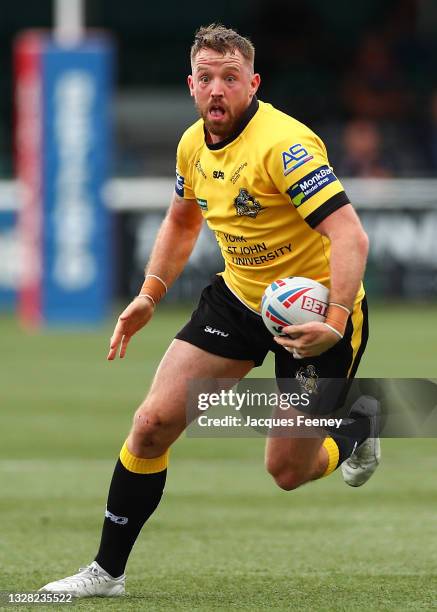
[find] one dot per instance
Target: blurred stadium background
(363, 77)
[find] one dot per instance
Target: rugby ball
(293, 301)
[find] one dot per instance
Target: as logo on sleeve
(179, 187)
(293, 158)
(311, 184)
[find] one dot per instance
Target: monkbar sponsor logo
(311, 184)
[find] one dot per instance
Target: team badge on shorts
(307, 377)
(247, 205)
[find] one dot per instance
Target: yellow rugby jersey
(262, 191)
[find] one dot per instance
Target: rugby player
(263, 183)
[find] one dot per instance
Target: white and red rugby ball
(293, 301)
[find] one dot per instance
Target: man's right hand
(132, 319)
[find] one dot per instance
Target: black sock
(350, 435)
(132, 500)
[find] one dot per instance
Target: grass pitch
(224, 537)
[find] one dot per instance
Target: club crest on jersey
(247, 205)
(295, 157)
(308, 379)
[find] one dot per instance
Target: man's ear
(255, 83)
(190, 82)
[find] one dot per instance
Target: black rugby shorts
(224, 326)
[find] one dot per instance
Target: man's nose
(217, 88)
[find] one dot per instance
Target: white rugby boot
(90, 581)
(360, 466)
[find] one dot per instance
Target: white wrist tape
(340, 306)
(146, 295)
(160, 280)
(334, 330)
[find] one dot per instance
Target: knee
(149, 427)
(287, 476)
(288, 480)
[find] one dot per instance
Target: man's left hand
(307, 340)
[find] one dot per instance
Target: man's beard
(220, 129)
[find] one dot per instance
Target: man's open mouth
(217, 111)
